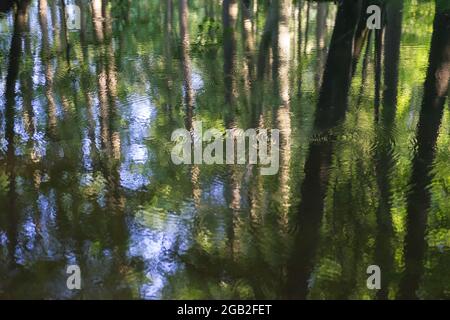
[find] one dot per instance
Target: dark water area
(87, 179)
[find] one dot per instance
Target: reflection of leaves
(94, 186)
(208, 37)
(329, 270)
(204, 238)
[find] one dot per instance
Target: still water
(86, 177)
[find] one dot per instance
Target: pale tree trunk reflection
(189, 94)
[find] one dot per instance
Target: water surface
(86, 177)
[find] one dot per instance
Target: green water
(86, 175)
